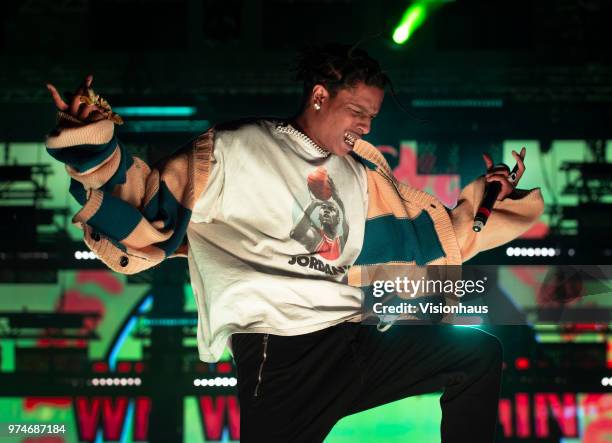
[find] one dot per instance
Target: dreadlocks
(337, 67)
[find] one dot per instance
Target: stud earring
(317, 107)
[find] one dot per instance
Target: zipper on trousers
(263, 360)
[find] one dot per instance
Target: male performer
(270, 278)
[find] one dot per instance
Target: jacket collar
(370, 157)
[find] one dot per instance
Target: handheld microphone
(492, 190)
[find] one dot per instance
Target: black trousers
(294, 389)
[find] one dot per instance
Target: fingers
(519, 163)
(499, 169)
(86, 110)
(75, 103)
(57, 98)
(76, 108)
(95, 116)
(488, 161)
(506, 186)
(519, 158)
(507, 179)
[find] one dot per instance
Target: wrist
(64, 120)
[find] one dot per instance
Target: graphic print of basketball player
(322, 238)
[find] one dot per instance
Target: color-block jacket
(134, 216)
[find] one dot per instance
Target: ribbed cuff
(91, 206)
(96, 133)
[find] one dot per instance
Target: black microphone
(492, 190)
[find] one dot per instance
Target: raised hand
(84, 105)
(506, 178)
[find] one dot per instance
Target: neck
(329, 231)
(303, 123)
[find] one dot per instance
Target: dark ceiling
(234, 56)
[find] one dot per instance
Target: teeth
(349, 139)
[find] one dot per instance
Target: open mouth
(349, 139)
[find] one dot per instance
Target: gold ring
(94, 99)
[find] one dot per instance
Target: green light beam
(412, 19)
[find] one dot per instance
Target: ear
(320, 94)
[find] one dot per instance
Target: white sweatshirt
(271, 239)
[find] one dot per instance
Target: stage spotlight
(414, 17)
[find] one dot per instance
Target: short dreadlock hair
(337, 67)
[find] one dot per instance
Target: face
(344, 118)
(328, 214)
